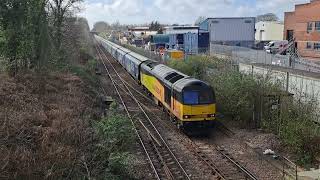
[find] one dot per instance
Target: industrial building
(188, 38)
(234, 31)
(269, 31)
(141, 31)
(303, 25)
(181, 29)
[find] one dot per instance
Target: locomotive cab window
(197, 97)
(191, 97)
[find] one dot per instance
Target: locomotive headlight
(211, 115)
(186, 117)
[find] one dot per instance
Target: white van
(276, 46)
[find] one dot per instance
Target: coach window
(309, 27)
(317, 26)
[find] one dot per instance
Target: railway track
(163, 161)
(221, 164)
(217, 159)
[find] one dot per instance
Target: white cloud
(179, 11)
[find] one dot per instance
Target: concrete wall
(269, 31)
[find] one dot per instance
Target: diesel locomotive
(190, 102)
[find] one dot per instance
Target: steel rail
(210, 164)
(145, 114)
(129, 116)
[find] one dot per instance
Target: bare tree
(58, 10)
(101, 26)
(199, 20)
(267, 17)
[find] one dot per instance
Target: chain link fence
(247, 55)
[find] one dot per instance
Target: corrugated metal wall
(172, 40)
(191, 43)
(232, 29)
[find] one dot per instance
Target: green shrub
(85, 74)
(91, 65)
(120, 165)
(116, 132)
(195, 66)
(116, 138)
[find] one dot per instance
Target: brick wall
(307, 52)
(289, 22)
(298, 21)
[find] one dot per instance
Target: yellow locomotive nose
(198, 112)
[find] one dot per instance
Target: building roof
(139, 29)
(231, 18)
(181, 27)
(270, 22)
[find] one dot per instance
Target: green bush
(116, 132)
(116, 138)
(91, 65)
(297, 130)
(120, 165)
(85, 73)
(195, 66)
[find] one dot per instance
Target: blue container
(191, 43)
(160, 39)
(172, 41)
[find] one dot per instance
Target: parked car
(276, 46)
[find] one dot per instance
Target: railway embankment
(51, 127)
(54, 124)
(258, 102)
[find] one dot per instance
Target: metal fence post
(287, 85)
(296, 172)
(283, 172)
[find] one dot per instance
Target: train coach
(190, 102)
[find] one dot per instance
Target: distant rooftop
(144, 27)
(139, 28)
(181, 27)
(270, 22)
(230, 18)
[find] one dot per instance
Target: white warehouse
(233, 31)
(269, 31)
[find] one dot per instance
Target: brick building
(304, 25)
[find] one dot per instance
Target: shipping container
(174, 54)
(160, 39)
(191, 43)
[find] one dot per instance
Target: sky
(179, 11)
